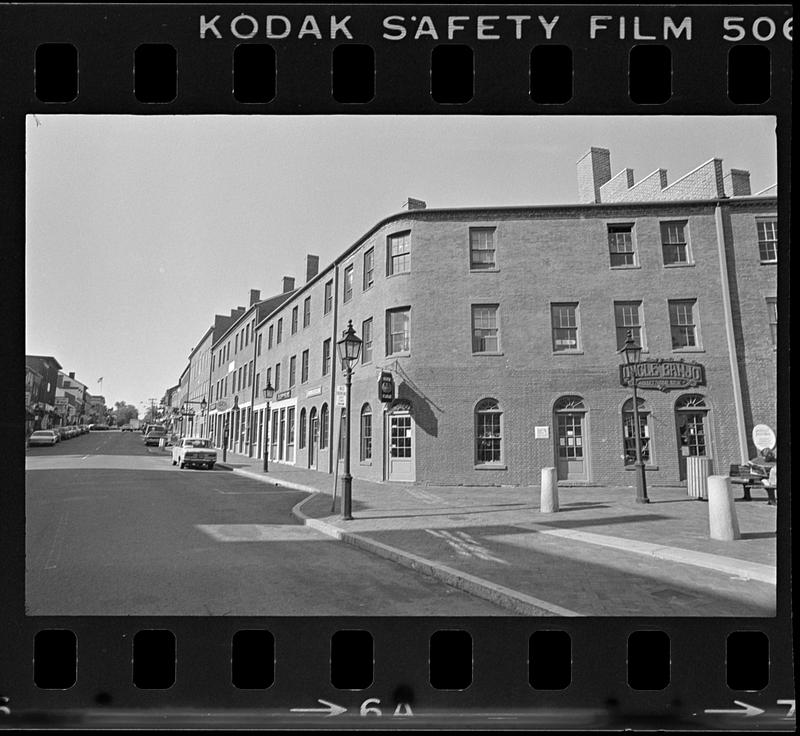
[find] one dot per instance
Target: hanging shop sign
(663, 374)
(763, 437)
(386, 387)
(222, 405)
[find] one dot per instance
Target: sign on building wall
(541, 433)
(386, 387)
(663, 374)
(763, 437)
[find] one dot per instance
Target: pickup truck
(194, 451)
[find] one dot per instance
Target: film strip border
(328, 58)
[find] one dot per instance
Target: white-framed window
(772, 311)
(398, 253)
(767, 229)
(304, 366)
(307, 311)
(328, 305)
(292, 370)
(675, 243)
(324, 429)
(326, 357)
(347, 292)
(621, 246)
(485, 328)
(488, 432)
(294, 319)
(369, 268)
(565, 327)
(398, 331)
(683, 323)
(366, 337)
(365, 445)
(628, 316)
(481, 248)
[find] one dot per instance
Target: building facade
(501, 327)
(43, 404)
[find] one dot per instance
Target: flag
(99, 379)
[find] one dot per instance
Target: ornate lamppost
(269, 392)
(349, 350)
(633, 354)
(190, 412)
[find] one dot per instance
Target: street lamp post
(633, 354)
(269, 392)
(349, 350)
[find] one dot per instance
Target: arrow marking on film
(749, 710)
(330, 708)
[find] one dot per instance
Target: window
(481, 248)
(279, 335)
(369, 268)
(628, 316)
(247, 335)
(488, 432)
(347, 294)
(258, 344)
(294, 320)
(290, 433)
(399, 256)
(629, 432)
(485, 332)
(236, 343)
(682, 324)
(328, 297)
(673, 243)
(292, 370)
(277, 376)
(258, 381)
(620, 246)
(366, 338)
(304, 367)
(397, 331)
(307, 312)
(326, 357)
(269, 338)
(250, 374)
(301, 430)
(365, 446)
(323, 427)
(269, 378)
(767, 240)
(565, 327)
(772, 307)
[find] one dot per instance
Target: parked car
(194, 451)
(155, 435)
(43, 437)
(126, 428)
(98, 427)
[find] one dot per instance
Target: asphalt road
(113, 528)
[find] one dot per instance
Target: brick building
(501, 328)
(43, 399)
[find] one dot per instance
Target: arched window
(365, 452)
(570, 403)
(301, 434)
(488, 432)
(629, 432)
(323, 427)
(690, 418)
(691, 402)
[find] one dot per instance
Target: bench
(744, 476)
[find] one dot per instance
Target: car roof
(44, 431)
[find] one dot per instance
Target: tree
(123, 413)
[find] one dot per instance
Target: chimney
(414, 204)
(312, 267)
(72, 375)
(288, 284)
(255, 295)
(594, 170)
(737, 183)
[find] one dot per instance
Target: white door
(400, 450)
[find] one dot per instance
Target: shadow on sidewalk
(605, 520)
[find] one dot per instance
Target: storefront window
(488, 432)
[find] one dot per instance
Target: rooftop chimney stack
(255, 295)
(312, 267)
(72, 375)
(288, 284)
(737, 183)
(414, 204)
(594, 170)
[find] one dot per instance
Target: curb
(266, 479)
(510, 599)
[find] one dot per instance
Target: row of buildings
(495, 333)
(54, 398)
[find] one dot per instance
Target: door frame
(585, 435)
(396, 408)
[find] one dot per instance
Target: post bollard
(722, 521)
(162, 443)
(549, 500)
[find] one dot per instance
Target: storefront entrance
(571, 448)
(400, 449)
(690, 425)
(313, 438)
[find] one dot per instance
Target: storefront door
(313, 439)
(570, 420)
(400, 460)
(692, 433)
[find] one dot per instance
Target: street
(114, 529)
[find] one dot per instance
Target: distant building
(43, 407)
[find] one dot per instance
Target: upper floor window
(294, 319)
(236, 343)
(304, 367)
(485, 329)
(366, 340)
(620, 246)
(628, 317)
(279, 334)
(399, 260)
(772, 307)
(488, 432)
(347, 292)
(565, 327)
(258, 344)
(328, 297)
(398, 337)
(307, 312)
(767, 240)
(292, 370)
(269, 338)
(277, 376)
(481, 248)
(369, 268)
(674, 244)
(683, 323)
(326, 357)
(324, 429)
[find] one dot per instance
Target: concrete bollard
(549, 501)
(722, 521)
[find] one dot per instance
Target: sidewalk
(601, 554)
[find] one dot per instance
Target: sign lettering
(663, 374)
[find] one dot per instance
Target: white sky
(141, 228)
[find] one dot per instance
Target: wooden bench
(744, 476)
